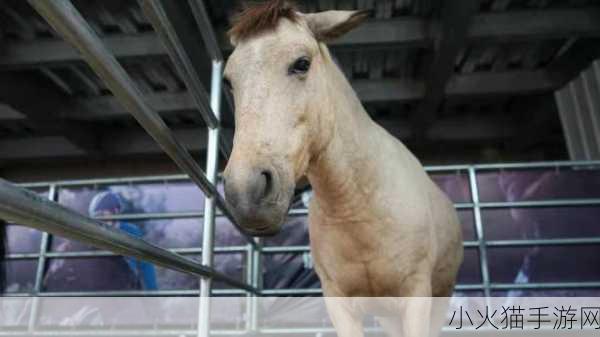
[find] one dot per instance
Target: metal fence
(45, 215)
(23, 207)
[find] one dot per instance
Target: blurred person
(107, 204)
(538, 263)
(118, 273)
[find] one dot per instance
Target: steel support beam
(209, 36)
(536, 24)
(405, 32)
(43, 106)
(369, 91)
(138, 143)
(187, 55)
(453, 37)
(172, 22)
(55, 52)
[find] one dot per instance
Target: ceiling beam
(506, 83)
(43, 105)
(537, 24)
(46, 52)
(138, 143)
(453, 37)
(369, 91)
(408, 32)
(108, 107)
(116, 143)
(39, 147)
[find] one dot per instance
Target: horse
(378, 225)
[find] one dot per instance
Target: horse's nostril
(268, 177)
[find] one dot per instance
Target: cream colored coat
(378, 225)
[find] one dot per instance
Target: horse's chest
(355, 263)
(362, 279)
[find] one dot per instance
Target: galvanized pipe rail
(208, 236)
(179, 38)
(155, 12)
(302, 212)
(253, 255)
(25, 207)
(69, 23)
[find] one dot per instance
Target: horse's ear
(330, 25)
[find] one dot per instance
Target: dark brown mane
(259, 17)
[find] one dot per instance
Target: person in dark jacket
(102, 274)
(110, 203)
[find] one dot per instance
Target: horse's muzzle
(255, 196)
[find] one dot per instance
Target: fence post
(39, 273)
(212, 164)
(256, 283)
(485, 276)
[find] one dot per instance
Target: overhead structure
(458, 52)
(501, 60)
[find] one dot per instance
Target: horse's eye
(301, 66)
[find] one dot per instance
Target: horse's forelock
(258, 17)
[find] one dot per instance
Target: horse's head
(277, 74)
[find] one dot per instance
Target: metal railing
(471, 171)
(27, 209)
(253, 256)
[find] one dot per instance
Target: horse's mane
(259, 17)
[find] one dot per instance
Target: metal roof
(445, 77)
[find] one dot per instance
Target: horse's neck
(341, 174)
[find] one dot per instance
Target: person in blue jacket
(109, 203)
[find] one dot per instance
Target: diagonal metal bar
(179, 37)
(69, 23)
(66, 20)
(206, 29)
(453, 36)
(211, 42)
(27, 208)
(171, 34)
